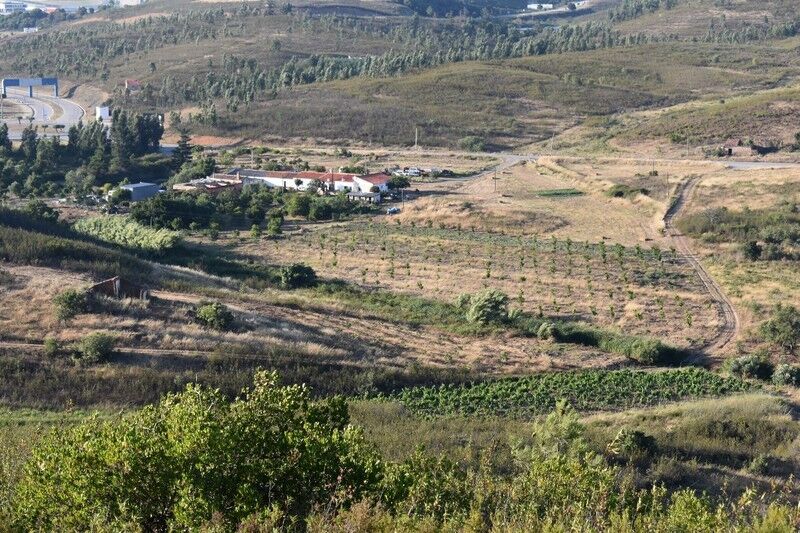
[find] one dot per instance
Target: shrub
(489, 306)
(759, 465)
(195, 455)
(51, 347)
(472, 143)
(399, 182)
(463, 300)
(274, 226)
(298, 205)
(625, 191)
(750, 366)
(95, 347)
(631, 443)
(298, 275)
(642, 349)
(751, 250)
(320, 210)
(783, 328)
(547, 331)
(70, 303)
(214, 315)
(786, 375)
(39, 209)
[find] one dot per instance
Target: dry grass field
(374, 158)
(268, 323)
(550, 237)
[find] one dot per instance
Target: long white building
(333, 181)
(9, 8)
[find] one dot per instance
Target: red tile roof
(308, 175)
(378, 178)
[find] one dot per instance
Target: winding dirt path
(731, 324)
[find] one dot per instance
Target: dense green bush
(767, 234)
(547, 331)
(786, 375)
(174, 465)
(214, 315)
(750, 366)
(489, 306)
(472, 143)
(297, 275)
(52, 347)
(298, 205)
(783, 328)
(70, 303)
(95, 347)
(42, 211)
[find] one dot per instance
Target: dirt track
(731, 325)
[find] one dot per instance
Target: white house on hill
(332, 181)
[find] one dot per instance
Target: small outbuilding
(141, 191)
(117, 287)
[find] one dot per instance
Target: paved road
(755, 165)
(44, 110)
(730, 319)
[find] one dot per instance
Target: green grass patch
(590, 390)
(127, 233)
(558, 193)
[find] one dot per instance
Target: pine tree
(5, 142)
(183, 152)
(28, 144)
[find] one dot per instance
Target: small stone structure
(117, 287)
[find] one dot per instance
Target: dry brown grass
(274, 321)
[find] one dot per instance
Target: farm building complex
(363, 187)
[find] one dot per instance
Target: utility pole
(416, 139)
(494, 179)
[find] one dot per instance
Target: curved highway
(44, 110)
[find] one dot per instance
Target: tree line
(93, 153)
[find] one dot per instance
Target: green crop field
(585, 391)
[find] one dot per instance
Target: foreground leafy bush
(298, 275)
(95, 347)
(214, 315)
(750, 366)
(173, 465)
(274, 460)
(128, 233)
(70, 303)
